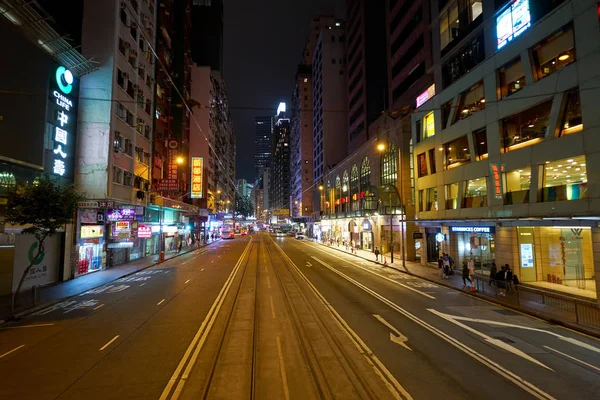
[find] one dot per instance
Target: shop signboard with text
(45, 266)
(197, 171)
(120, 214)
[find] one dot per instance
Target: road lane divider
(272, 307)
(379, 275)
(187, 281)
(109, 343)
(26, 326)
(573, 358)
(191, 354)
(98, 307)
(12, 351)
(494, 366)
(286, 389)
(390, 382)
(160, 302)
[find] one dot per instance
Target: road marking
(268, 283)
(496, 342)
(183, 263)
(527, 328)
(286, 390)
(266, 270)
(109, 343)
(100, 306)
(187, 281)
(517, 380)
(308, 264)
(381, 276)
(26, 326)
(212, 261)
(142, 284)
(201, 335)
(574, 359)
(12, 351)
(391, 383)
(398, 338)
(202, 270)
(160, 302)
(272, 307)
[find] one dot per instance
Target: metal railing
(548, 303)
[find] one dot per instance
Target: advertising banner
(120, 214)
(197, 166)
(144, 231)
(45, 267)
(91, 231)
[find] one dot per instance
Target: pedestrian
(451, 263)
(346, 244)
(509, 278)
(501, 281)
(471, 267)
(353, 244)
(377, 253)
(465, 275)
(338, 242)
(493, 272)
(446, 267)
(179, 247)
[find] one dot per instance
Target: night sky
(263, 45)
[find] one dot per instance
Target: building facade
(505, 155)
(263, 133)
(279, 187)
(207, 43)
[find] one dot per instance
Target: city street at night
(270, 317)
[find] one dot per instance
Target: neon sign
(197, 166)
(513, 21)
(426, 95)
(497, 170)
(62, 118)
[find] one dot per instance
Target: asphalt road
(279, 318)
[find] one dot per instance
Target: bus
(227, 230)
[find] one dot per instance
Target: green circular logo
(32, 251)
(64, 80)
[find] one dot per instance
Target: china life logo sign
(61, 117)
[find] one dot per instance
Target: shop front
(473, 243)
(558, 258)
(366, 235)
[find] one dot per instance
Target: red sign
(167, 185)
(496, 170)
(144, 231)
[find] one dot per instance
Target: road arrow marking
(397, 338)
(497, 342)
(308, 264)
(574, 359)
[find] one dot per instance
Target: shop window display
(565, 180)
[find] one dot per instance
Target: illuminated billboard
(197, 167)
(513, 21)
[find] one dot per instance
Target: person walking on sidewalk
(353, 244)
(179, 246)
(346, 244)
(471, 266)
(377, 253)
(493, 272)
(501, 281)
(446, 268)
(465, 275)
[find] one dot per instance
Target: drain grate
(505, 312)
(504, 339)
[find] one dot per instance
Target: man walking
(377, 253)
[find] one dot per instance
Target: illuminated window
(512, 78)
(421, 200)
(452, 196)
(475, 193)
(476, 9)
(354, 188)
(471, 101)
(422, 163)
(457, 152)
(431, 203)
(572, 122)
(432, 160)
(527, 127)
(565, 179)
(480, 141)
(337, 194)
(518, 183)
(449, 25)
(389, 166)
(554, 53)
(428, 126)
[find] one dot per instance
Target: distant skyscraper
(263, 130)
(279, 191)
(207, 33)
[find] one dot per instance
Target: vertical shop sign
(197, 166)
(61, 117)
(497, 170)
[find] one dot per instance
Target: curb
(31, 310)
(477, 295)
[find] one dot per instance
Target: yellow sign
(281, 211)
(429, 126)
(197, 166)
(91, 231)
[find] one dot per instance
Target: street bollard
(162, 256)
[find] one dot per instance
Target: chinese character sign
(197, 166)
(61, 117)
(497, 170)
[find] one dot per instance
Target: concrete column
(507, 248)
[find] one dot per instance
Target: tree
(243, 206)
(42, 207)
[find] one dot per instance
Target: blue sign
(513, 21)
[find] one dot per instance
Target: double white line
(191, 354)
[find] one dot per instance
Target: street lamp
(179, 160)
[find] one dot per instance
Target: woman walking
(465, 275)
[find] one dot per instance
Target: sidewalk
(51, 294)
(547, 305)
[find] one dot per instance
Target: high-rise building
(367, 68)
(330, 117)
(409, 53)
(263, 132)
(279, 190)
(207, 45)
